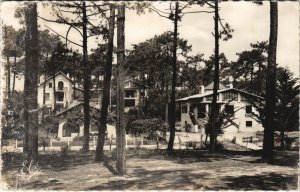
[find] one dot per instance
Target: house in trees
(135, 94)
(63, 92)
(66, 92)
(230, 99)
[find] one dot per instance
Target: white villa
(238, 104)
(63, 92)
(134, 94)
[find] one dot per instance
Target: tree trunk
(214, 108)
(14, 77)
(174, 75)
(106, 87)
(120, 125)
(44, 89)
(86, 87)
(30, 84)
(268, 143)
(54, 89)
(8, 79)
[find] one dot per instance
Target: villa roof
(209, 93)
(55, 76)
(211, 86)
(74, 104)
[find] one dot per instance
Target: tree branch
(159, 13)
(63, 36)
(199, 12)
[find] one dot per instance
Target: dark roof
(211, 86)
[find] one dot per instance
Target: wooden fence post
(16, 143)
(157, 143)
(142, 141)
(51, 142)
(179, 141)
(68, 142)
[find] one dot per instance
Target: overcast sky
(249, 21)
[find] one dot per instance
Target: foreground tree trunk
(172, 111)
(214, 107)
(268, 143)
(106, 87)
(86, 87)
(30, 85)
(14, 75)
(120, 125)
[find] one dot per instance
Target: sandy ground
(156, 170)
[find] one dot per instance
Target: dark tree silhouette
(30, 85)
(268, 142)
(120, 125)
(106, 86)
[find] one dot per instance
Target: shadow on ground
(188, 174)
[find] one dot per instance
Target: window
(184, 109)
(248, 123)
(201, 111)
(249, 109)
(50, 85)
(59, 96)
(210, 98)
(129, 102)
(129, 93)
(229, 109)
(60, 85)
(230, 96)
(47, 96)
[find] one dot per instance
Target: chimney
(68, 75)
(202, 89)
(230, 85)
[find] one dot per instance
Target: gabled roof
(75, 103)
(209, 93)
(211, 86)
(55, 76)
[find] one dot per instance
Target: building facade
(233, 101)
(63, 92)
(135, 94)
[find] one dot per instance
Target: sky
(250, 23)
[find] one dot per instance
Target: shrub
(149, 127)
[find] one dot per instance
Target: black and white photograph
(149, 95)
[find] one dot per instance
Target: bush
(149, 127)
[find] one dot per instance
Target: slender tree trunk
(251, 78)
(8, 79)
(14, 77)
(174, 75)
(87, 79)
(54, 89)
(44, 89)
(214, 109)
(106, 87)
(30, 84)
(268, 143)
(120, 125)
(282, 136)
